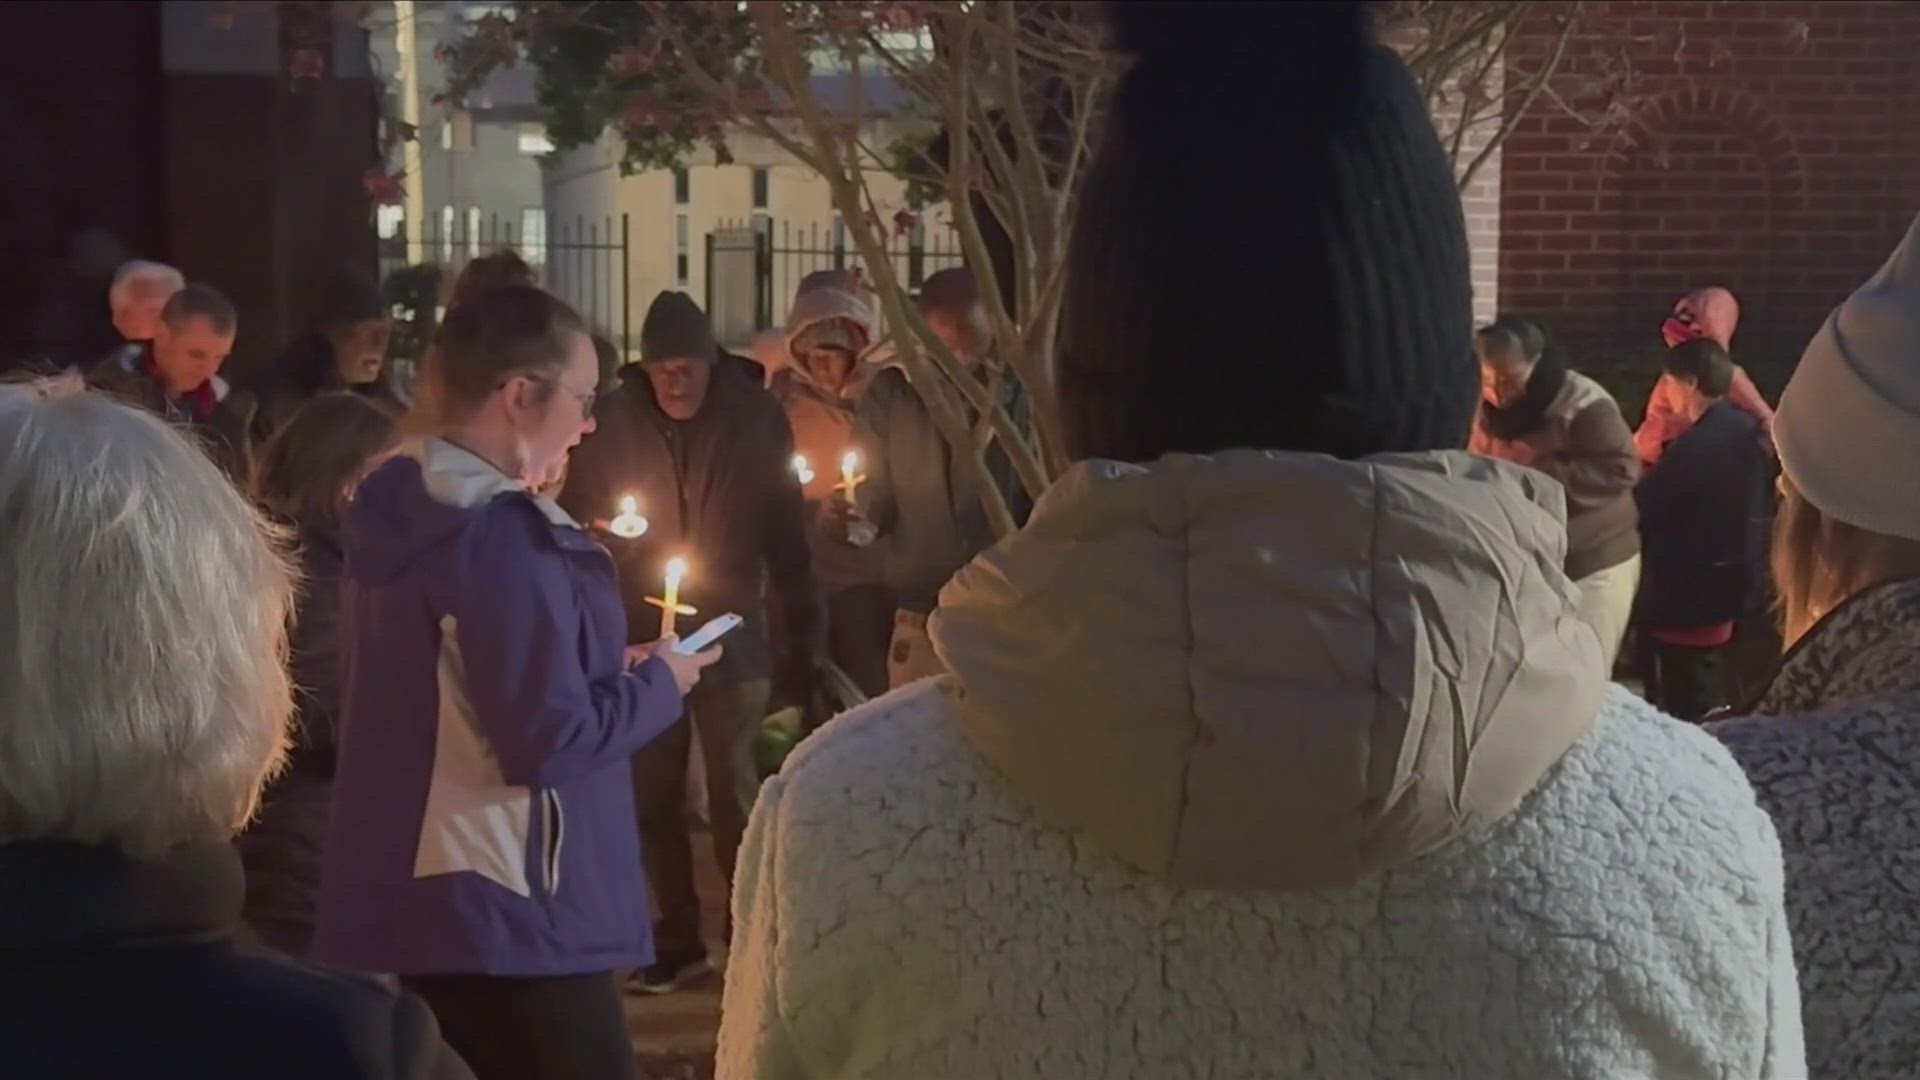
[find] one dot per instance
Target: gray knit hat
(1849, 422)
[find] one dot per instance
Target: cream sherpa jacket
(1264, 766)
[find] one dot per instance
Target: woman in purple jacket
(483, 845)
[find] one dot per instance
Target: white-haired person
(139, 292)
(143, 703)
(1832, 745)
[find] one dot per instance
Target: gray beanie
(1848, 427)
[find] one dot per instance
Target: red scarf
(199, 401)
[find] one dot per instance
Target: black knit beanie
(676, 328)
(1269, 251)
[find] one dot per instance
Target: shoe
(669, 974)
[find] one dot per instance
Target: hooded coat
(482, 819)
(823, 422)
(1264, 765)
(1710, 313)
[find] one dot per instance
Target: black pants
(571, 1028)
(725, 719)
(859, 630)
(1684, 682)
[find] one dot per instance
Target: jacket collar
(67, 895)
(456, 476)
(1524, 417)
(1862, 648)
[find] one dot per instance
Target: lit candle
(850, 478)
(802, 470)
(628, 523)
(670, 605)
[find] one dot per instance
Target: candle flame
(629, 504)
(676, 571)
(849, 463)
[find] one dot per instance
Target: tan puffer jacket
(1269, 671)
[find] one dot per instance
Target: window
(387, 220)
(682, 187)
(461, 127)
(534, 141)
(533, 235)
(682, 250)
(760, 189)
(446, 135)
(473, 232)
(446, 234)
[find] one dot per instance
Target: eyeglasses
(586, 398)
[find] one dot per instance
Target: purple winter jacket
(483, 815)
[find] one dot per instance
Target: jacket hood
(820, 304)
(414, 507)
(1710, 313)
(1274, 671)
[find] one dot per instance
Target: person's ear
(522, 392)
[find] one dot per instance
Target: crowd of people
(1281, 739)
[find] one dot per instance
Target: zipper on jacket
(677, 452)
(556, 838)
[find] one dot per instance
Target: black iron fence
(754, 267)
(585, 261)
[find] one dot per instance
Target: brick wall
(1481, 201)
(1773, 148)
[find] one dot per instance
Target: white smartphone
(707, 635)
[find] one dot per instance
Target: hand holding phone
(700, 639)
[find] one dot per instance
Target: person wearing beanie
(344, 347)
(1535, 411)
(1710, 313)
(831, 330)
(1274, 744)
(1830, 746)
(707, 456)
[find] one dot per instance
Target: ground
(673, 1034)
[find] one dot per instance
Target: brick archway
(1699, 184)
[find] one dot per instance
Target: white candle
(670, 606)
(850, 478)
(628, 523)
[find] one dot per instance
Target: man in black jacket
(1700, 550)
(706, 455)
